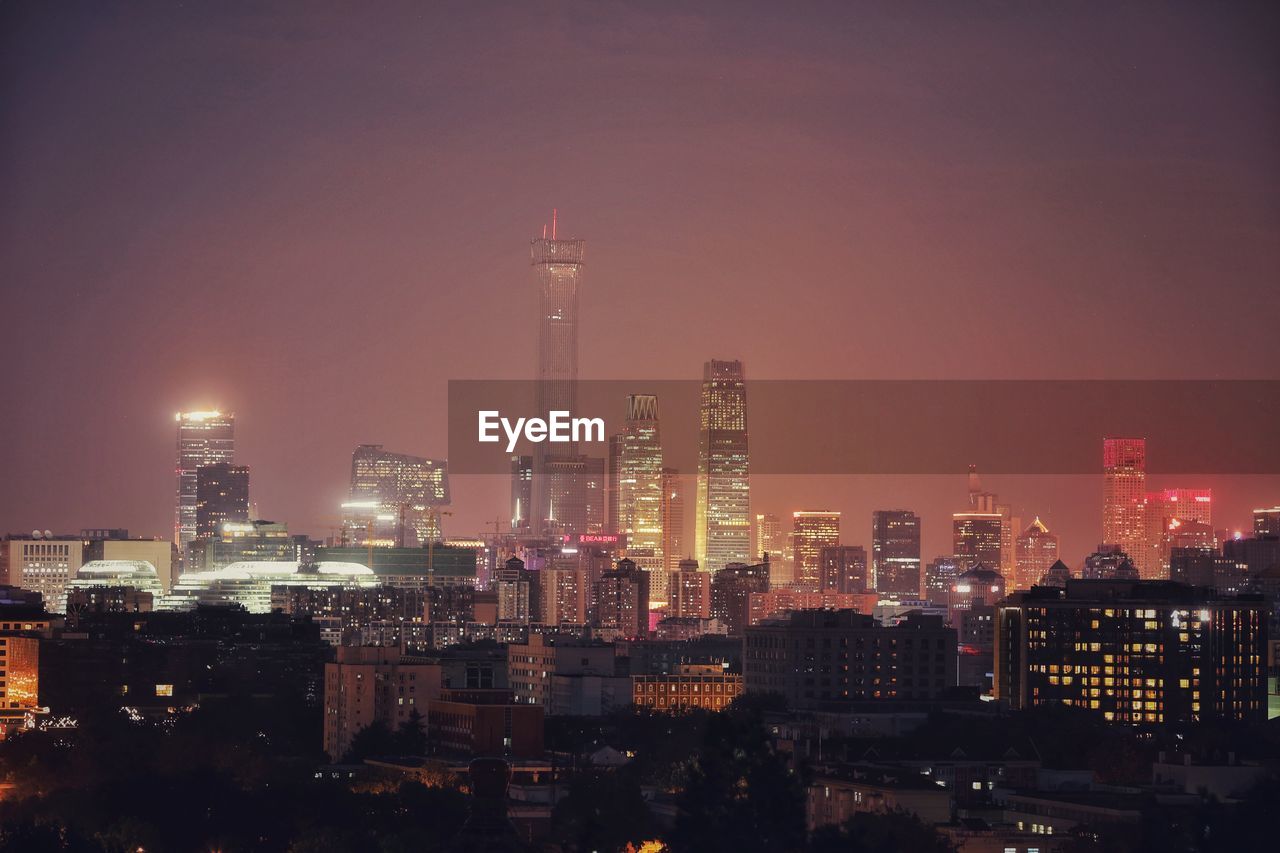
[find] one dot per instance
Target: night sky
(315, 215)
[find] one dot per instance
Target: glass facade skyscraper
(723, 528)
(558, 268)
(639, 490)
(895, 552)
(1124, 495)
(393, 496)
(204, 438)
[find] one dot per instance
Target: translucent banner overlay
(815, 427)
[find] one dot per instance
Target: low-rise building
(705, 686)
(483, 723)
(819, 656)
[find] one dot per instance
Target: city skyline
(922, 229)
(641, 427)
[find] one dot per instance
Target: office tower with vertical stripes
(204, 438)
(639, 490)
(811, 532)
(568, 489)
(895, 552)
(723, 526)
(1124, 495)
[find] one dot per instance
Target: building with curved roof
(249, 583)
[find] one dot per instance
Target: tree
(605, 810)
(739, 794)
(374, 739)
(411, 736)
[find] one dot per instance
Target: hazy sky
(316, 214)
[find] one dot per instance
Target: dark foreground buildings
(1140, 652)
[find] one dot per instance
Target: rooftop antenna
(553, 223)
(544, 231)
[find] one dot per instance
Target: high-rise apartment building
(1124, 495)
(895, 552)
(1037, 550)
(622, 600)
(723, 528)
(204, 438)
(690, 591)
(222, 495)
(1139, 652)
(811, 532)
(394, 498)
(731, 590)
(373, 684)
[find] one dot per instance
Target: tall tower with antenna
(558, 268)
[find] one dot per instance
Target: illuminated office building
(1037, 550)
(723, 528)
(521, 492)
(1124, 495)
(939, 575)
(204, 438)
(1139, 652)
(976, 537)
(895, 552)
(235, 542)
(44, 563)
(811, 532)
(394, 497)
(639, 491)
(673, 541)
(1168, 512)
(574, 488)
(843, 568)
(222, 495)
(1266, 523)
(1109, 563)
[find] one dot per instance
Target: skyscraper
(723, 528)
(1166, 512)
(1124, 492)
(222, 495)
(558, 268)
(844, 568)
(976, 538)
(521, 492)
(204, 438)
(673, 542)
(772, 541)
(394, 497)
(811, 532)
(1266, 523)
(1037, 550)
(639, 490)
(895, 552)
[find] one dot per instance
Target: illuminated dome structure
(132, 574)
(249, 583)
